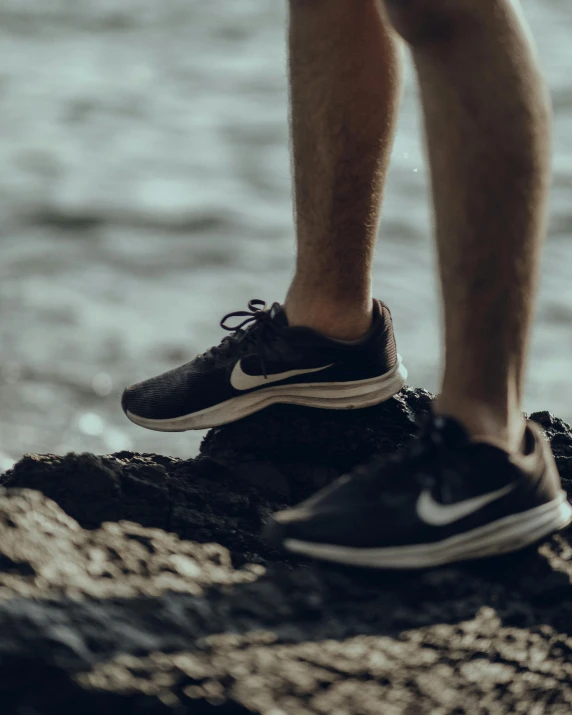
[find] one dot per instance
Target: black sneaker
(264, 361)
(445, 499)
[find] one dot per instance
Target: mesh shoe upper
(265, 346)
(378, 504)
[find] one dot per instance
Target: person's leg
(345, 82)
(487, 123)
(345, 92)
(451, 495)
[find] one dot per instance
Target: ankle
(502, 427)
(342, 321)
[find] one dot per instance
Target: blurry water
(145, 192)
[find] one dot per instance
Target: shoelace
(261, 329)
(423, 464)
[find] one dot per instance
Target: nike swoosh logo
(435, 514)
(241, 381)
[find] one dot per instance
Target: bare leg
(345, 80)
(487, 123)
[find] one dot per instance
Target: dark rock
(245, 471)
(102, 615)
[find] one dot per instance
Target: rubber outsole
(331, 396)
(511, 533)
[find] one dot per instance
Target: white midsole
(327, 395)
(510, 533)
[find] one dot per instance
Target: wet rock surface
(139, 584)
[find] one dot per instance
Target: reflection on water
(145, 193)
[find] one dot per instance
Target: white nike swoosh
(435, 514)
(241, 381)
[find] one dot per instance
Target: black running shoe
(264, 361)
(445, 499)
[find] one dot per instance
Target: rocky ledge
(138, 584)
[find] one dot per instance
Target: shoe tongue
(278, 315)
(456, 436)
(451, 430)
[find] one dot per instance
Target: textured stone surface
(138, 584)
